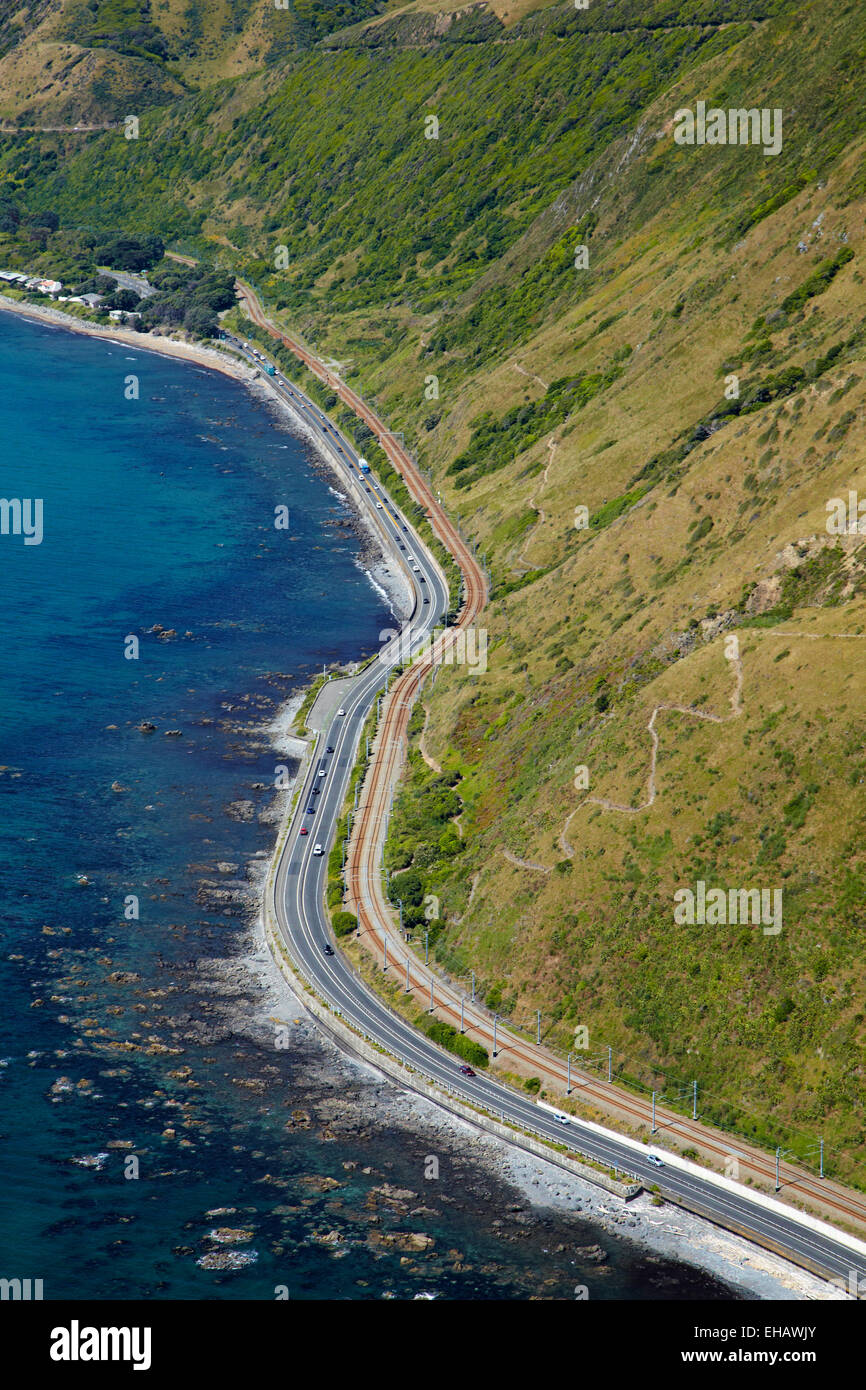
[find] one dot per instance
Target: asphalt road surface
(302, 920)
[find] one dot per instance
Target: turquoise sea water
(117, 1037)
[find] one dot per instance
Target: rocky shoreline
(663, 1232)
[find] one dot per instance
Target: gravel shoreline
(665, 1231)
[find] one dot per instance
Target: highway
(297, 906)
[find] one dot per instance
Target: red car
(304, 830)
(467, 1071)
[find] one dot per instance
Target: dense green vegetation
(422, 849)
(454, 1041)
(320, 17)
(511, 134)
(495, 443)
(123, 25)
(188, 296)
(344, 923)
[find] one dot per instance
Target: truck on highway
(363, 465)
(271, 371)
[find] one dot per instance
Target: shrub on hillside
(449, 1038)
(344, 923)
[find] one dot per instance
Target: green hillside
(642, 440)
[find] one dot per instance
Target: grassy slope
(412, 257)
(76, 61)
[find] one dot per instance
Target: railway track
(365, 894)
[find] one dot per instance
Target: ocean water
(143, 1105)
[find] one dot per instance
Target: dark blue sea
(142, 1106)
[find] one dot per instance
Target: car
(401, 545)
(426, 600)
(315, 791)
(423, 579)
(317, 849)
(561, 1118)
(329, 749)
(311, 809)
(405, 528)
(341, 712)
(655, 1160)
(467, 1071)
(304, 830)
(328, 950)
(378, 506)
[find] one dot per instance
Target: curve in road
(296, 887)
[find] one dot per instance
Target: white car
(378, 506)
(561, 1118)
(317, 849)
(655, 1160)
(341, 712)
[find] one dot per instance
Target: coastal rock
(401, 1240)
(591, 1253)
(228, 1259)
(331, 1238)
(230, 1235)
(241, 810)
(319, 1182)
(146, 727)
